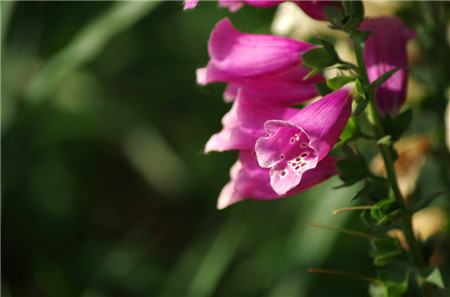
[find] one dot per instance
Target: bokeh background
(106, 190)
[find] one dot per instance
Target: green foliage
(323, 88)
(351, 131)
(389, 285)
(319, 58)
(329, 47)
(338, 82)
(384, 211)
(417, 203)
(359, 37)
(379, 81)
(397, 126)
(352, 168)
(385, 250)
(435, 278)
(374, 189)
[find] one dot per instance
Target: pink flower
(266, 66)
(385, 49)
(236, 56)
(190, 4)
(286, 88)
(296, 145)
(313, 8)
(249, 181)
(244, 123)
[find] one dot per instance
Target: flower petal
(190, 4)
(316, 8)
(385, 49)
(324, 120)
(244, 123)
(249, 181)
(233, 53)
(295, 146)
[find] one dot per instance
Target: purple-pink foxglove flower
(250, 181)
(267, 66)
(244, 123)
(385, 49)
(235, 56)
(286, 88)
(296, 145)
(313, 8)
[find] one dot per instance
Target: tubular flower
(244, 123)
(313, 8)
(385, 49)
(249, 181)
(274, 74)
(294, 146)
(236, 56)
(286, 88)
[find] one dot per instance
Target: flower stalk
(414, 251)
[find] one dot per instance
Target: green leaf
(319, 58)
(351, 24)
(424, 202)
(338, 82)
(352, 169)
(313, 72)
(379, 81)
(351, 130)
(335, 16)
(385, 140)
(385, 250)
(329, 47)
(435, 278)
(323, 89)
(389, 285)
(359, 36)
(397, 126)
(359, 105)
(374, 190)
(360, 89)
(384, 211)
(354, 13)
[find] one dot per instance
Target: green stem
(414, 253)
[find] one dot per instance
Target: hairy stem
(414, 252)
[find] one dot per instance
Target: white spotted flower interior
(295, 146)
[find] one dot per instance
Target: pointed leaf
(338, 82)
(323, 89)
(319, 58)
(383, 78)
(435, 278)
(329, 47)
(424, 202)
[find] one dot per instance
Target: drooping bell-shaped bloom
(313, 8)
(294, 146)
(250, 181)
(267, 66)
(235, 56)
(244, 123)
(286, 88)
(385, 49)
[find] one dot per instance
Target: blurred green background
(106, 191)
